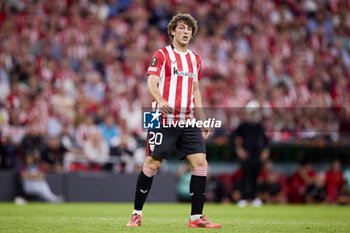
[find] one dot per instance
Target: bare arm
(26, 175)
(199, 108)
(152, 86)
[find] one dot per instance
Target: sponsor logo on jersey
(181, 73)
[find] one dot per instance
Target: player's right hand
(166, 108)
(205, 133)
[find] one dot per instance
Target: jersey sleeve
(199, 66)
(156, 65)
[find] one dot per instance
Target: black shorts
(162, 142)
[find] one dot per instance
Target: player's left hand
(205, 132)
(264, 154)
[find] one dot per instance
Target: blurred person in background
(93, 156)
(62, 103)
(94, 87)
(346, 196)
(4, 81)
(52, 155)
(335, 182)
(317, 191)
(131, 114)
(299, 182)
(33, 179)
(139, 158)
(216, 191)
(67, 138)
(33, 142)
(11, 135)
(251, 145)
(85, 129)
(96, 149)
(236, 194)
(270, 190)
(347, 178)
(110, 132)
(125, 147)
(183, 174)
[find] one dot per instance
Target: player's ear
(172, 32)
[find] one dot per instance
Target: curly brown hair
(187, 19)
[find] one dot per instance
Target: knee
(200, 167)
(201, 162)
(153, 165)
(204, 163)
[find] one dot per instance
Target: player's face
(182, 33)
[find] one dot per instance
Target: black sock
(143, 187)
(197, 190)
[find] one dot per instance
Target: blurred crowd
(73, 72)
(305, 185)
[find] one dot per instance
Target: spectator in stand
(96, 149)
(34, 182)
(131, 115)
(52, 155)
(94, 87)
(335, 181)
(11, 136)
(125, 147)
(62, 103)
(4, 81)
(317, 191)
(93, 156)
(299, 182)
(4, 115)
(33, 142)
(110, 132)
(12, 101)
(86, 129)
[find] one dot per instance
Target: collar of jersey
(177, 51)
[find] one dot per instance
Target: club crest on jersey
(181, 73)
(154, 61)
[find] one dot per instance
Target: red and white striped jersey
(178, 71)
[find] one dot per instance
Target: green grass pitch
(112, 217)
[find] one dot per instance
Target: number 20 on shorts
(155, 138)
